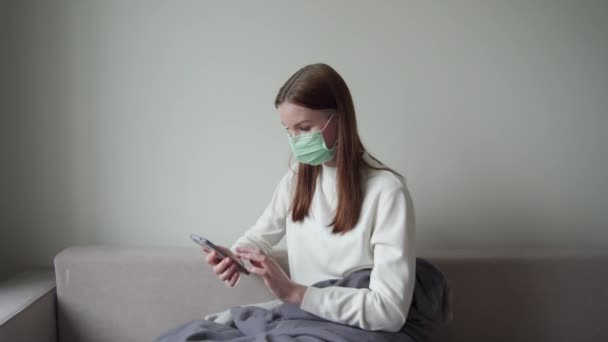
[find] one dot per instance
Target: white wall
(141, 122)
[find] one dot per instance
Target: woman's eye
(306, 129)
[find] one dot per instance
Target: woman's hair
(319, 86)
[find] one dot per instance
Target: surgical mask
(310, 148)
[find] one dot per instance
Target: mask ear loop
(327, 123)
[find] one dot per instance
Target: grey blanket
(431, 305)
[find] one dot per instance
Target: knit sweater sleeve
(270, 226)
(385, 304)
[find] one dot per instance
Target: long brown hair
(319, 86)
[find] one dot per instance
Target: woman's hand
(225, 269)
(274, 276)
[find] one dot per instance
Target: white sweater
(384, 238)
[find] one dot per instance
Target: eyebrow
(301, 122)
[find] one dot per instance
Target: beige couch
(106, 293)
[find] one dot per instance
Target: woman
(340, 209)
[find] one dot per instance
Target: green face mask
(310, 148)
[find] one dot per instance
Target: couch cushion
(111, 293)
(525, 295)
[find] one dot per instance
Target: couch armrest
(27, 307)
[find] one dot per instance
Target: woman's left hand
(274, 276)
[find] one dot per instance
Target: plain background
(140, 122)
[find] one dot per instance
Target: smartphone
(210, 245)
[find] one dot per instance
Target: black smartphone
(208, 244)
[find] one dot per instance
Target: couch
(114, 293)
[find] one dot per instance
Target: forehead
(291, 114)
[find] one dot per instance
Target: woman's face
(301, 120)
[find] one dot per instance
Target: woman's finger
(261, 271)
(248, 249)
(212, 258)
(253, 256)
(233, 279)
(221, 266)
(228, 272)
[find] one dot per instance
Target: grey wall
(5, 161)
(141, 122)
(8, 152)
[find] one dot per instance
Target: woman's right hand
(225, 269)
